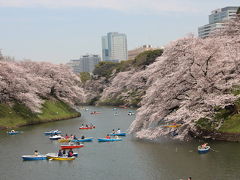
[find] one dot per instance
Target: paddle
(214, 150)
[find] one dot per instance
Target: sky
(59, 30)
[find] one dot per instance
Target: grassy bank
(228, 119)
(19, 115)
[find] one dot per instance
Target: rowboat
(122, 106)
(52, 133)
(108, 140)
(13, 132)
(33, 157)
(203, 150)
(71, 146)
(172, 126)
(92, 127)
(56, 154)
(131, 113)
(118, 134)
(56, 137)
(62, 158)
(88, 139)
(64, 140)
(95, 113)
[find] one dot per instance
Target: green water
(129, 159)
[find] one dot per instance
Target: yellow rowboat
(61, 158)
(172, 126)
(63, 140)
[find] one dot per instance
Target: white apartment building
(86, 63)
(114, 47)
(216, 20)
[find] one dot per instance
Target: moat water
(129, 159)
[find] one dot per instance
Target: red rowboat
(92, 127)
(71, 146)
(95, 113)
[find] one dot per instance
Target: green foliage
(124, 66)
(228, 116)
(104, 68)
(93, 101)
(231, 124)
(221, 115)
(135, 101)
(235, 90)
(232, 120)
(204, 123)
(19, 115)
(112, 102)
(147, 57)
(85, 76)
(238, 11)
(135, 97)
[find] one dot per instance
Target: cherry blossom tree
(31, 82)
(191, 78)
(186, 83)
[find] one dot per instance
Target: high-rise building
(86, 63)
(114, 47)
(217, 19)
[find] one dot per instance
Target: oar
(214, 150)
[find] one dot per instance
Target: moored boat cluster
(71, 142)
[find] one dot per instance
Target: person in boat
(13, 131)
(64, 152)
(108, 137)
(66, 136)
(92, 125)
(70, 143)
(55, 132)
(118, 131)
(74, 137)
(204, 146)
(70, 153)
(60, 154)
(174, 133)
(36, 153)
(82, 126)
(113, 131)
(86, 126)
(83, 137)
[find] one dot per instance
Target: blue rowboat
(118, 134)
(108, 140)
(52, 133)
(34, 158)
(13, 132)
(83, 140)
(203, 150)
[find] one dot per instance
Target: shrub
(104, 68)
(85, 76)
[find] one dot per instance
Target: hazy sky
(60, 30)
